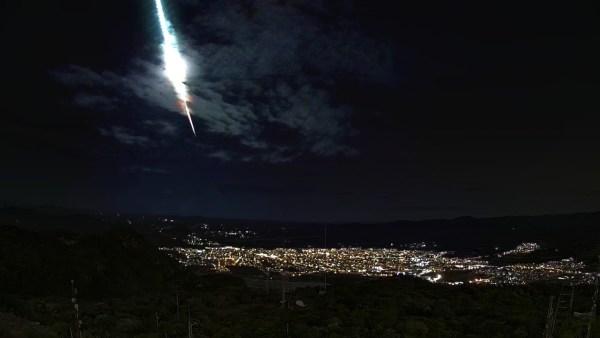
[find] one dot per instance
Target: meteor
(175, 65)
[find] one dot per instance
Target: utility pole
(284, 290)
(75, 327)
(284, 277)
(189, 323)
(267, 281)
(564, 301)
(549, 319)
(595, 300)
(326, 256)
(285, 284)
(177, 300)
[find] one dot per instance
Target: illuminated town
(434, 266)
(523, 248)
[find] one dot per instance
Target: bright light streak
(175, 65)
(187, 111)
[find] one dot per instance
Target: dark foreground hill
(112, 264)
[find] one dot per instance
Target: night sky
(305, 110)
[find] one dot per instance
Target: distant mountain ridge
(9, 211)
(554, 229)
(461, 232)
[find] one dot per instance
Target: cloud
(222, 155)
(126, 137)
(144, 81)
(162, 127)
(255, 144)
(261, 78)
(95, 101)
(146, 169)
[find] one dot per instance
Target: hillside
(114, 263)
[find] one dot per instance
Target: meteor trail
(175, 65)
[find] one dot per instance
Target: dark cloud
(163, 127)
(148, 170)
(250, 81)
(126, 136)
(222, 155)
